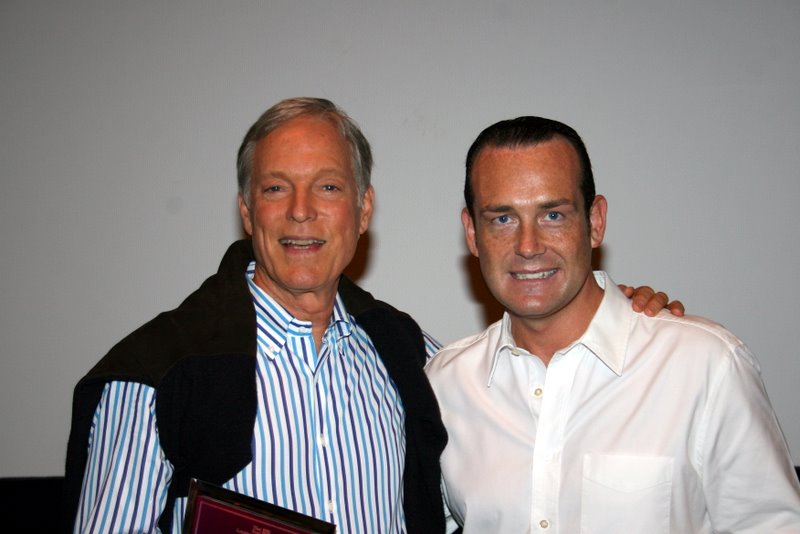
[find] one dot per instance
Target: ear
(366, 210)
(244, 213)
(597, 220)
(469, 232)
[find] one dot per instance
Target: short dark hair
(529, 131)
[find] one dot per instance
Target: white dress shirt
(643, 425)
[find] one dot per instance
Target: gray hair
(292, 108)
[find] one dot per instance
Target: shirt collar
(609, 332)
(504, 345)
(276, 323)
(606, 337)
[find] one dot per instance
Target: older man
(573, 414)
(278, 378)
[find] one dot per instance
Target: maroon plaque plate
(215, 510)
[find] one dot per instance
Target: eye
(502, 219)
(330, 187)
(271, 188)
(553, 216)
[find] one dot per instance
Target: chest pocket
(626, 494)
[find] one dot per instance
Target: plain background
(120, 123)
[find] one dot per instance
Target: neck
(313, 306)
(544, 336)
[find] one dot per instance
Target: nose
(528, 243)
(301, 206)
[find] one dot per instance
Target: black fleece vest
(201, 358)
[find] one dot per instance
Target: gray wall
(120, 122)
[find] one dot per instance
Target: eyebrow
(495, 209)
(555, 203)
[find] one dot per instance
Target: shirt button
(515, 352)
(538, 392)
(544, 523)
(323, 441)
(331, 507)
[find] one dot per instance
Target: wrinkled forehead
(304, 137)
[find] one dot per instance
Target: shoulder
(216, 318)
(693, 327)
(373, 313)
(703, 341)
(633, 333)
(473, 348)
(358, 301)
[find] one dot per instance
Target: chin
(527, 309)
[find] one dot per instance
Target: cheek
(269, 215)
(346, 227)
(496, 245)
(491, 255)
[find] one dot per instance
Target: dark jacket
(201, 358)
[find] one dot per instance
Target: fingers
(642, 296)
(627, 290)
(646, 300)
(655, 303)
(676, 308)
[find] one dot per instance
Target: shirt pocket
(626, 494)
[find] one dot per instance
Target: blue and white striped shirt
(328, 438)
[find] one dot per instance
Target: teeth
(534, 276)
(301, 242)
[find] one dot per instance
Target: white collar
(606, 336)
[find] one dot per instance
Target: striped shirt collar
(275, 323)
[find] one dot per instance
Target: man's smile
(300, 243)
(540, 275)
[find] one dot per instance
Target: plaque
(215, 510)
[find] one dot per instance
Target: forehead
(550, 168)
(306, 141)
